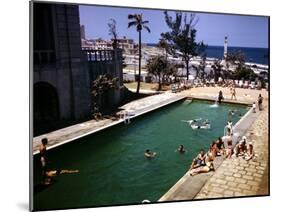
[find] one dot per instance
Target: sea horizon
(259, 55)
(155, 44)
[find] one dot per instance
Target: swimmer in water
(205, 125)
(53, 173)
(231, 112)
(149, 154)
(181, 149)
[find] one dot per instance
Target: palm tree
(163, 44)
(140, 24)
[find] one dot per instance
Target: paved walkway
(246, 96)
(237, 177)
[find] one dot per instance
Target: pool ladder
(127, 119)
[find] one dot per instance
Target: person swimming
(149, 154)
(181, 149)
(231, 112)
(205, 125)
(54, 173)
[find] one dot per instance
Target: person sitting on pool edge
(149, 154)
(241, 147)
(209, 165)
(220, 146)
(53, 173)
(199, 160)
(250, 154)
(214, 149)
(181, 149)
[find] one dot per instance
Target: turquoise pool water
(113, 169)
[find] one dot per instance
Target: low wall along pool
(111, 163)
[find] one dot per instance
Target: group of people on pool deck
(47, 175)
(223, 146)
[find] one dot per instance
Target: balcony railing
(102, 55)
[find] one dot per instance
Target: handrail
(102, 54)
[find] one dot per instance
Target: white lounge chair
(236, 83)
(207, 83)
(196, 83)
(259, 85)
(240, 85)
(212, 82)
(174, 88)
(266, 86)
(253, 85)
(246, 84)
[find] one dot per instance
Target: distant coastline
(253, 54)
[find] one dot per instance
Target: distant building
(63, 72)
(82, 32)
(127, 44)
(124, 43)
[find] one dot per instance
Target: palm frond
(132, 23)
(131, 16)
(145, 22)
(147, 28)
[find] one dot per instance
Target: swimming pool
(111, 163)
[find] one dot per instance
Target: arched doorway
(45, 108)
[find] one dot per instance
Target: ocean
(253, 55)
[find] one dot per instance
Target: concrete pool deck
(237, 177)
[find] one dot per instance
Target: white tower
(225, 47)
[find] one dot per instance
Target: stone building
(82, 32)
(62, 71)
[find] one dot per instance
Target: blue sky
(243, 31)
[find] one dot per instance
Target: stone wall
(67, 74)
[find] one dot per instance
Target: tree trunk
(139, 75)
(187, 68)
(159, 83)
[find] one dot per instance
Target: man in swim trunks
(199, 160)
